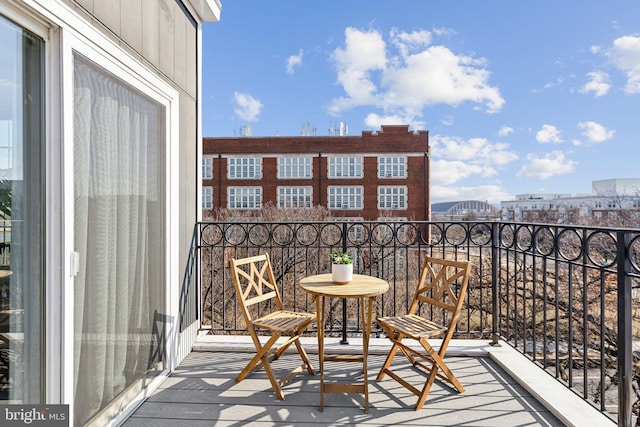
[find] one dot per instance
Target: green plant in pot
(341, 267)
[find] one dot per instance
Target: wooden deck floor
(203, 392)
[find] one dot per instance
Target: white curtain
(119, 218)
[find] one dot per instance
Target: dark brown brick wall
(390, 140)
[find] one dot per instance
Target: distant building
(366, 177)
(608, 197)
(464, 209)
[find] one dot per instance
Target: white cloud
(625, 55)
(505, 131)
(455, 159)
(478, 151)
(364, 53)
(437, 75)
(294, 61)
(409, 42)
(594, 133)
(445, 172)
(444, 31)
(375, 121)
(555, 83)
(598, 84)
(489, 193)
(416, 76)
(447, 120)
(247, 107)
(543, 167)
(548, 134)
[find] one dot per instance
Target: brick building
(381, 174)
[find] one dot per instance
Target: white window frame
(339, 167)
(246, 193)
(302, 196)
(207, 197)
(239, 167)
(392, 197)
(348, 197)
(207, 167)
(392, 167)
(295, 167)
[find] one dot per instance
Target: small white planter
(342, 273)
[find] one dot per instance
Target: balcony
(546, 337)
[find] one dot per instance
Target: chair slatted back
(254, 282)
(443, 283)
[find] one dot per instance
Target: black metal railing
(561, 295)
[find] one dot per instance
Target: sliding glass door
(119, 234)
(21, 214)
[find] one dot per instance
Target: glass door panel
(119, 233)
(21, 214)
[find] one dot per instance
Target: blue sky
(518, 97)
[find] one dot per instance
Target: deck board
(202, 392)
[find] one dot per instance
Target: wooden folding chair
(258, 293)
(443, 285)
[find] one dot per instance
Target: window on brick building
(345, 167)
(294, 167)
(207, 197)
(295, 197)
(392, 167)
(349, 197)
(244, 197)
(244, 168)
(392, 197)
(207, 167)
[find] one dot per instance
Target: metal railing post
(495, 302)
(344, 340)
(625, 356)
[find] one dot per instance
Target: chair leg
(272, 378)
(438, 364)
(261, 353)
(438, 357)
(263, 358)
(427, 387)
(304, 357)
(387, 362)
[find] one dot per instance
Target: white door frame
(99, 50)
(65, 32)
(52, 291)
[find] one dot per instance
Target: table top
(360, 286)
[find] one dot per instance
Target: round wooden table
(362, 287)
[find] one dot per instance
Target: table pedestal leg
(366, 331)
(366, 310)
(320, 322)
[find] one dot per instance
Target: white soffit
(207, 10)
